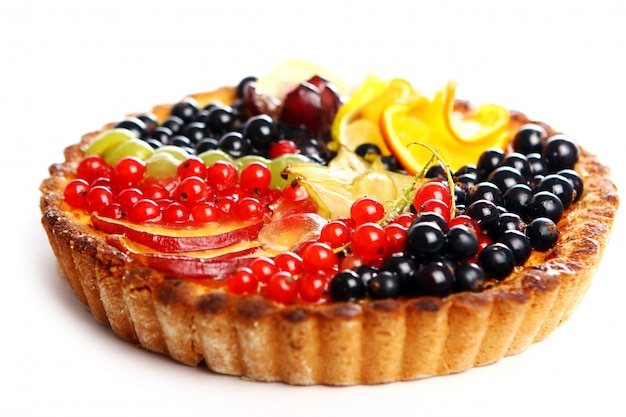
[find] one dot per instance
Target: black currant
(543, 234)
(529, 139)
(485, 191)
(517, 197)
(560, 153)
(434, 278)
(347, 286)
(490, 160)
(545, 204)
(186, 109)
(519, 244)
(497, 260)
(576, 181)
(505, 177)
(559, 186)
(461, 243)
(385, 284)
(469, 277)
(425, 238)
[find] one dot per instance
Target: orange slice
(458, 137)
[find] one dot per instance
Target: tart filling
(356, 263)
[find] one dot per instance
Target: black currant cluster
(245, 127)
(515, 199)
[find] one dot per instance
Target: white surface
(67, 67)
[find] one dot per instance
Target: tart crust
(337, 343)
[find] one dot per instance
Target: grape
(175, 151)
(215, 155)
(240, 163)
(162, 165)
(330, 104)
(133, 147)
(303, 106)
(108, 140)
(277, 165)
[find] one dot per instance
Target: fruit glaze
(293, 228)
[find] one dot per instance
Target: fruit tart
(294, 228)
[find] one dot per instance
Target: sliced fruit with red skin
(171, 240)
(213, 264)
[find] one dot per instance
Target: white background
(67, 67)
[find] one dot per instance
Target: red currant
(75, 193)
(335, 233)
(396, 235)
(143, 211)
(313, 287)
(318, 256)
(98, 198)
(192, 167)
(436, 206)
(113, 211)
(369, 242)
(282, 147)
(222, 175)
(289, 262)
(155, 191)
(255, 176)
(191, 190)
(366, 209)
(263, 268)
(205, 212)
(242, 281)
(437, 190)
(225, 204)
(128, 172)
(128, 197)
(249, 208)
(282, 287)
(92, 167)
(405, 219)
(175, 213)
(465, 220)
(294, 192)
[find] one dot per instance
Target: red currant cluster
(198, 194)
(365, 238)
